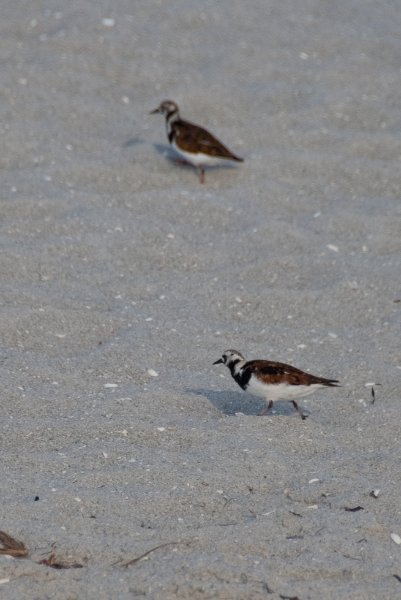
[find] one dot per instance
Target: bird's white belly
(280, 391)
(197, 159)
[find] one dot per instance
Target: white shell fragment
(110, 385)
(153, 373)
(396, 538)
(375, 493)
(108, 22)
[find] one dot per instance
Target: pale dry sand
(114, 261)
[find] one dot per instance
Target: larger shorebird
(273, 380)
(193, 143)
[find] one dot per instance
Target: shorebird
(272, 380)
(191, 142)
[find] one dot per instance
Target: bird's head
(167, 107)
(230, 357)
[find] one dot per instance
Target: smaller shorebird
(272, 380)
(193, 143)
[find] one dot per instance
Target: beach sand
(123, 279)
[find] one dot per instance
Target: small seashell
(314, 480)
(396, 538)
(153, 373)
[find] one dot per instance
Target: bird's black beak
(219, 361)
(154, 112)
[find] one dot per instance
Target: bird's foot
(266, 409)
(304, 415)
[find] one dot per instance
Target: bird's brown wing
(192, 138)
(276, 372)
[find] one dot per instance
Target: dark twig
(295, 513)
(133, 561)
(353, 509)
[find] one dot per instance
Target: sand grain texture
(115, 262)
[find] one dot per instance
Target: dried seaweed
(52, 561)
(353, 508)
(11, 546)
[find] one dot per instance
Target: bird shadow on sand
(176, 160)
(133, 142)
(230, 403)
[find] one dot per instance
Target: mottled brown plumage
(276, 372)
(193, 138)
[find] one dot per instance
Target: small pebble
(110, 385)
(153, 373)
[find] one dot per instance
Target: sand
(123, 279)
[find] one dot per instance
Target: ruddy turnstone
(193, 143)
(272, 380)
